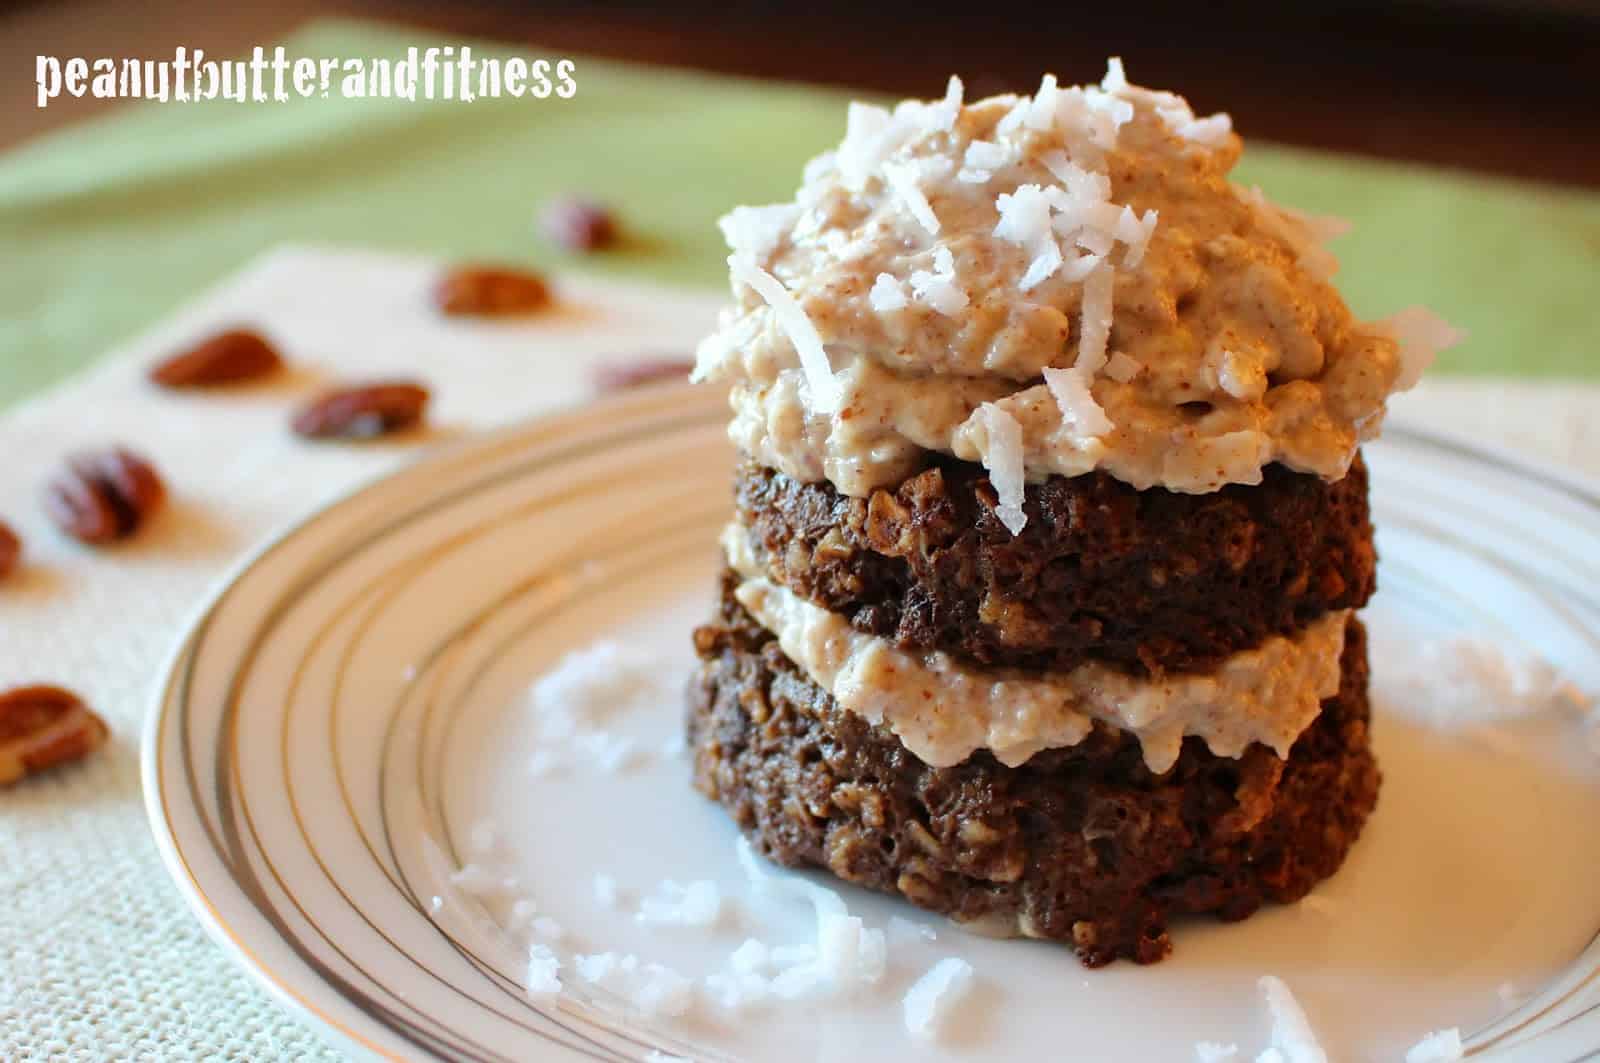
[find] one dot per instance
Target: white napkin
(99, 958)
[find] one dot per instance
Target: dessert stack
(1050, 522)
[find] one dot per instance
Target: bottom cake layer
(1081, 845)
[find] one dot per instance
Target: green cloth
(111, 223)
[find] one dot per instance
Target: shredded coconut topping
(1096, 327)
(887, 294)
(756, 232)
(1079, 411)
(903, 178)
(798, 327)
(947, 253)
(1422, 334)
(1003, 459)
(938, 288)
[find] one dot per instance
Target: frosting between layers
(944, 710)
(1076, 261)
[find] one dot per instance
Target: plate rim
(1573, 483)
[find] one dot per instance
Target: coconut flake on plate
(751, 957)
(846, 955)
(547, 929)
(543, 978)
(903, 931)
(735, 992)
(610, 753)
(1467, 681)
(932, 996)
(651, 988)
(1215, 1052)
(1292, 1037)
(698, 903)
(593, 683)
(1073, 395)
(887, 294)
(825, 392)
(1441, 1046)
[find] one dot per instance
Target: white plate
(355, 690)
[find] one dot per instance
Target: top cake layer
(1047, 285)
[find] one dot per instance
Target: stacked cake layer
(1038, 598)
(1056, 820)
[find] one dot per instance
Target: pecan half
(363, 411)
(578, 225)
(10, 550)
(491, 291)
(104, 495)
(230, 357)
(619, 376)
(43, 726)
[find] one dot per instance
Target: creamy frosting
(1076, 262)
(944, 710)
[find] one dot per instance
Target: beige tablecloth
(99, 958)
